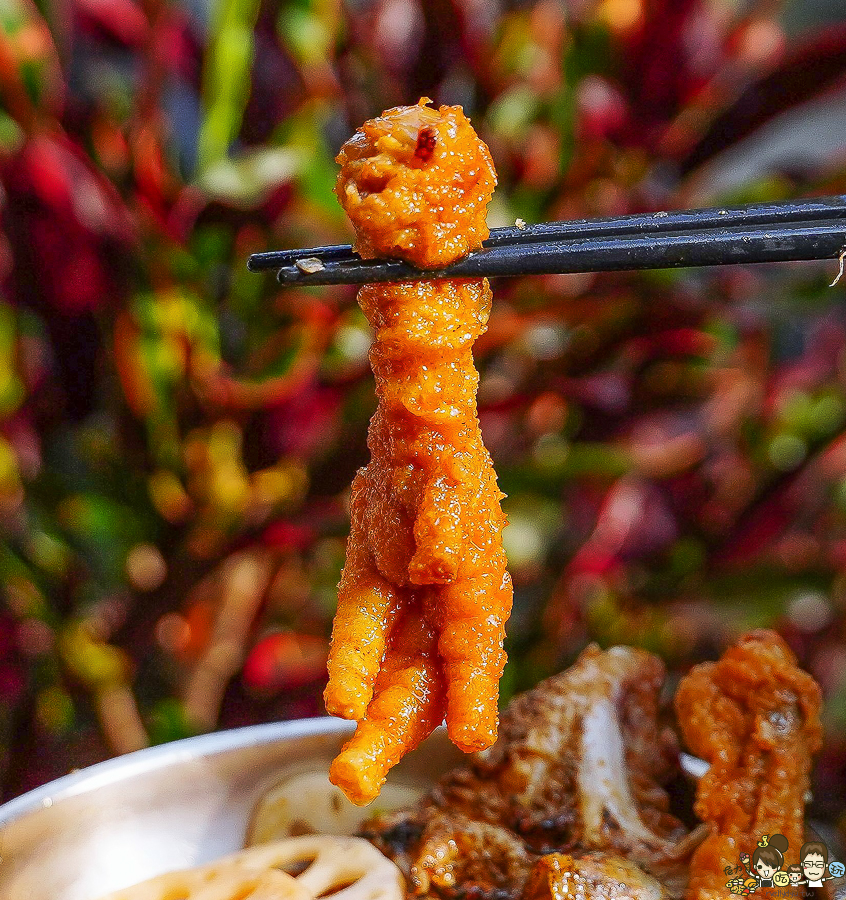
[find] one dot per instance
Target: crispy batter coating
(426, 518)
(415, 183)
(407, 707)
(754, 716)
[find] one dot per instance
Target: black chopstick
(772, 232)
(637, 223)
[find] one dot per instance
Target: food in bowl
(579, 796)
(301, 868)
(307, 802)
(584, 766)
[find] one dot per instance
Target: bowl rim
(151, 758)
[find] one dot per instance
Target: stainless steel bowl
(166, 808)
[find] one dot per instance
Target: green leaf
(247, 181)
(226, 79)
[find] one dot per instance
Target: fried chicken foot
(367, 609)
(426, 516)
(754, 716)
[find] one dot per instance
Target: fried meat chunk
(425, 592)
(595, 876)
(754, 716)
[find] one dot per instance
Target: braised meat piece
(596, 876)
(579, 766)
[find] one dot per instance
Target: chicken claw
(426, 536)
(754, 716)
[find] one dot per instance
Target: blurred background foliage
(177, 436)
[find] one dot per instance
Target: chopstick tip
(839, 275)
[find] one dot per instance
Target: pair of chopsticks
(767, 232)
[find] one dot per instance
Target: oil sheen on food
(425, 593)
